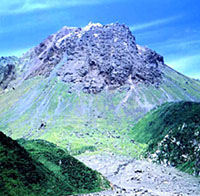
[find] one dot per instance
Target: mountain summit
(95, 57)
(81, 86)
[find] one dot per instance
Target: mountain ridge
(41, 168)
(172, 134)
(97, 56)
(91, 106)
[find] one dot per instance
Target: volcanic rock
(7, 71)
(95, 57)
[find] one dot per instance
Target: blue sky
(171, 27)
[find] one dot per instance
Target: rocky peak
(95, 57)
(91, 25)
(7, 70)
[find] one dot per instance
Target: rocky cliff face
(95, 57)
(7, 71)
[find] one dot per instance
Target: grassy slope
(35, 170)
(83, 122)
(172, 132)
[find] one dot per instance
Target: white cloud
(153, 23)
(23, 6)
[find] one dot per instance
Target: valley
(131, 177)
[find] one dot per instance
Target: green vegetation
(172, 132)
(87, 123)
(80, 122)
(41, 168)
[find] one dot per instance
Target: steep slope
(94, 57)
(7, 71)
(172, 132)
(36, 170)
(87, 87)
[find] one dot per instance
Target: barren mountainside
(7, 71)
(81, 86)
(96, 57)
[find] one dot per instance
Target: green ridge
(40, 168)
(172, 132)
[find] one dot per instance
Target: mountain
(7, 71)
(39, 168)
(95, 57)
(172, 133)
(84, 89)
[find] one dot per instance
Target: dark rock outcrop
(7, 71)
(95, 57)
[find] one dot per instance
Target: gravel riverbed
(130, 177)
